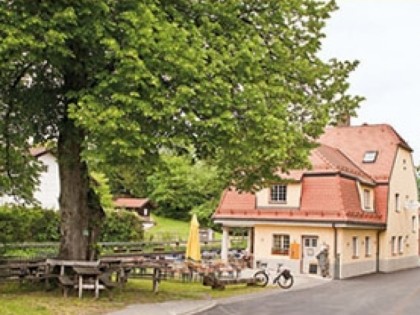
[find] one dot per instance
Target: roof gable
(131, 203)
(355, 141)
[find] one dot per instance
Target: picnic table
(138, 268)
(88, 279)
(22, 270)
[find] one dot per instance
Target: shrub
(122, 226)
(19, 224)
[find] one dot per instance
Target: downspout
(377, 251)
(336, 256)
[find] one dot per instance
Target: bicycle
(283, 277)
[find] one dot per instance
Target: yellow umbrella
(193, 245)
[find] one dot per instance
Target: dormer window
(366, 199)
(370, 156)
(278, 193)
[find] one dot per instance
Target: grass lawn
(16, 299)
(168, 230)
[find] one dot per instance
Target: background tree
(117, 81)
(180, 185)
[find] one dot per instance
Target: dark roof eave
(335, 222)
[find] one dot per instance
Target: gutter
(336, 274)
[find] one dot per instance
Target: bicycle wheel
(285, 282)
(261, 278)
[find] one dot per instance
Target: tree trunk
(80, 208)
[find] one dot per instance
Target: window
(281, 244)
(311, 242)
(278, 193)
(393, 245)
(367, 246)
(397, 202)
(370, 156)
(355, 243)
(366, 199)
(413, 224)
(400, 244)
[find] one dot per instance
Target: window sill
(369, 210)
(277, 202)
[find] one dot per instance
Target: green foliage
(18, 224)
(102, 189)
(180, 185)
(239, 81)
(205, 210)
(122, 226)
(178, 230)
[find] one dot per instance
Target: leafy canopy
(239, 81)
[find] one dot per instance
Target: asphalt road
(380, 294)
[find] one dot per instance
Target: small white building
(48, 190)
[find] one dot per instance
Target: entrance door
(309, 252)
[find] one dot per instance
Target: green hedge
(122, 226)
(19, 224)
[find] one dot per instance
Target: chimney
(344, 121)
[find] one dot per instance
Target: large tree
(116, 81)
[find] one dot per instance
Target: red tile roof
(355, 141)
(38, 151)
(327, 158)
(330, 187)
(130, 202)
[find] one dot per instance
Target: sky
(384, 35)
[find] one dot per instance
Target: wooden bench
(221, 283)
(66, 284)
(11, 273)
(106, 280)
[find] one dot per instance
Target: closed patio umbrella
(193, 246)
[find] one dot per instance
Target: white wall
(48, 191)
(294, 192)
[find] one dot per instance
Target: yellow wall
(399, 222)
(264, 240)
(293, 197)
(349, 265)
(345, 245)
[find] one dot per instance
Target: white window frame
(368, 247)
(370, 156)
(367, 199)
(393, 245)
(283, 247)
(278, 193)
(400, 245)
(355, 246)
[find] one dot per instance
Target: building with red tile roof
(142, 206)
(354, 200)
